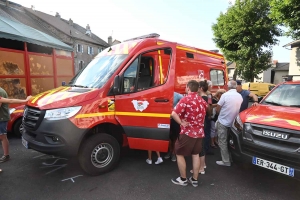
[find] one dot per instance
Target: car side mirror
(116, 88)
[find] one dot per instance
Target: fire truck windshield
(98, 71)
(284, 95)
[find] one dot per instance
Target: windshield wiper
(273, 103)
(81, 86)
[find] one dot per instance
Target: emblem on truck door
(140, 105)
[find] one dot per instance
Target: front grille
(32, 118)
(282, 150)
(292, 144)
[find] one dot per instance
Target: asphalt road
(32, 175)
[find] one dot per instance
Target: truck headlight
(11, 110)
(62, 113)
(237, 124)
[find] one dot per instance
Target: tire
(99, 154)
(18, 127)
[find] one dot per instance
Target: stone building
(84, 42)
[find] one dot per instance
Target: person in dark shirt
(245, 94)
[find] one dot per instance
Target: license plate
(273, 166)
(25, 143)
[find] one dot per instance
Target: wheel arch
(109, 128)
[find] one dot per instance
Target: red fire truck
(123, 97)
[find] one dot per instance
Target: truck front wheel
(99, 154)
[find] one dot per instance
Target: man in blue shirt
(174, 130)
(245, 94)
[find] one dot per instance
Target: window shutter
(92, 51)
(89, 50)
(81, 48)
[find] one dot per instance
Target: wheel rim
(102, 155)
(21, 128)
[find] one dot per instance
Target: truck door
(144, 106)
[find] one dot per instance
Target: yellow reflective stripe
(270, 119)
(125, 48)
(133, 44)
(143, 114)
(18, 111)
(160, 68)
(200, 52)
(55, 96)
(186, 49)
(55, 90)
(37, 97)
(293, 123)
(209, 54)
(251, 118)
(94, 115)
(160, 43)
(117, 49)
(135, 114)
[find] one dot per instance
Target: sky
(188, 22)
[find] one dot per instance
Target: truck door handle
(161, 100)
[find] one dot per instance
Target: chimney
(70, 22)
(275, 63)
(88, 30)
(32, 7)
(110, 40)
(7, 3)
(57, 15)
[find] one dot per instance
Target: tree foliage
(287, 13)
(245, 34)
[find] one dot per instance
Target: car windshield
(98, 71)
(284, 95)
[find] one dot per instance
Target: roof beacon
(152, 35)
(288, 78)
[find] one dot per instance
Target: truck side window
(217, 77)
(149, 70)
(130, 77)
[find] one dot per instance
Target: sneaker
(168, 155)
(159, 160)
(4, 159)
(221, 163)
(204, 167)
(174, 159)
(200, 172)
(194, 183)
(149, 161)
(178, 181)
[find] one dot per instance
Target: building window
(100, 49)
(80, 65)
(79, 48)
(90, 50)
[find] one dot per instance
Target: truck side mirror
(116, 88)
